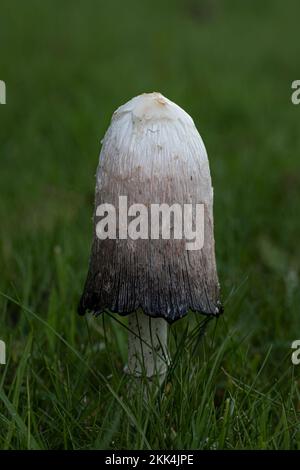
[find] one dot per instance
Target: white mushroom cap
(153, 153)
(151, 107)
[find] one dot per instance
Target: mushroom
(153, 176)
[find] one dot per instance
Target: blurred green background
(67, 65)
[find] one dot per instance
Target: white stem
(147, 346)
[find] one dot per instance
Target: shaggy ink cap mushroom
(152, 153)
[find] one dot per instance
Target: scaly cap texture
(153, 153)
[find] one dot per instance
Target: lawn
(67, 66)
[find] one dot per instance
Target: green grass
(67, 66)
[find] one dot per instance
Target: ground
(67, 66)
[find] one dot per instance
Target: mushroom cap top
(153, 106)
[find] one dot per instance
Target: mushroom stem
(147, 347)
